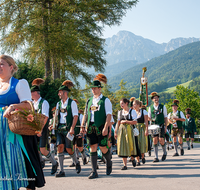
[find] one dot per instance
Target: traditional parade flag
(143, 88)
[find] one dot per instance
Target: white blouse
(22, 89)
(133, 114)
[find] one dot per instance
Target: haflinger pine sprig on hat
(66, 85)
(175, 102)
(98, 80)
(36, 84)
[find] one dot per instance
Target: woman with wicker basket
(14, 95)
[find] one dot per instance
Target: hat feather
(101, 78)
(176, 101)
(132, 99)
(37, 82)
(154, 93)
(80, 111)
(68, 83)
(76, 101)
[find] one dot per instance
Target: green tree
(121, 93)
(63, 36)
(187, 99)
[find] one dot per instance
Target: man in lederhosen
(42, 106)
(78, 137)
(65, 121)
(98, 113)
(157, 114)
(176, 119)
(189, 127)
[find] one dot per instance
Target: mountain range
(174, 67)
(127, 46)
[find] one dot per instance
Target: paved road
(174, 173)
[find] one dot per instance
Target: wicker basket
(18, 124)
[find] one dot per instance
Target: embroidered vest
(157, 114)
(179, 123)
(69, 117)
(99, 115)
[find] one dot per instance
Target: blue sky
(161, 20)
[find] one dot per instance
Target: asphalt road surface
(182, 172)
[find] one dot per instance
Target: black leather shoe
(164, 157)
(60, 174)
(124, 168)
(72, 165)
(176, 154)
(188, 148)
(78, 168)
(191, 145)
(93, 175)
(54, 168)
(134, 163)
(182, 151)
(138, 164)
(109, 169)
(149, 153)
(155, 160)
(143, 160)
(84, 161)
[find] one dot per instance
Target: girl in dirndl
(126, 144)
(142, 126)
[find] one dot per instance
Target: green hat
(36, 84)
(188, 111)
(175, 103)
(35, 88)
(153, 94)
(96, 83)
(66, 85)
(63, 87)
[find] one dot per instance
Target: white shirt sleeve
(145, 112)
(169, 115)
(118, 116)
(23, 90)
(133, 114)
(182, 115)
(45, 108)
(112, 119)
(74, 108)
(165, 111)
(149, 112)
(80, 118)
(108, 106)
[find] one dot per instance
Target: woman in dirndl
(12, 165)
(15, 157)
(142, 126)
(126, 145)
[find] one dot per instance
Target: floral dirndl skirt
(142, 139)
(126, 141)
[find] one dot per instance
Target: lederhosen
(177, 131)
(94, 130)
(64, 128)
(190, 128)
(77, 140)
(43, 140)
(158, 117)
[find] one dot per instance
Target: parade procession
(29, 137)
(99, 94)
